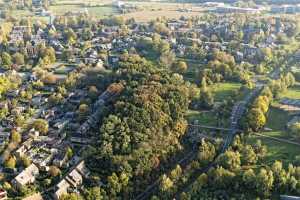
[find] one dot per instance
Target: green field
(292, 92)
(95, 11)
(277, 150)
(223, 91)
(204, 117)
(276, 120)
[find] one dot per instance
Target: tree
(249, 179)
(25, 161)
(6, 59)
(180, 67)
(10, 162)
(41, 126)
(206, 99)
(230, 160)
(262, 103)
(176, 173)
(54, 171)
(93, 92)
(69, 152)
(50, 79)
(114, 184)
(295, 129)
(72, 196)
(94, 193)
(220, 177)
(166, 183)
(206, 152)
(16, 136)
(256, 119)
(18, 59)
(264, 182)
(248, 155)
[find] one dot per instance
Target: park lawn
(277, 119)
(223, 91)
(292, 92)
(204, 117)
(277, 150)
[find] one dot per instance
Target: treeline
(257, 115)
(240, 173)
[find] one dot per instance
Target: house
(72, 180)
(27, 176)
(60, 159)
(24, 147)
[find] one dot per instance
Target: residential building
(27, 176)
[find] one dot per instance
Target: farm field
(95, 11)
(148, 15)
(152, 10)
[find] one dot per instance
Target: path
(277, 139)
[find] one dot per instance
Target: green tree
(40, 125)
(10, 162)
(94, 193)
(6, 59)
(72, 196)
(230, 160)
(180, 67)
(19, 59)
(25, 161)
(207, 153)
(166, 184)
(16, 136)
(248, 155)
(264, 182)
(256, 119)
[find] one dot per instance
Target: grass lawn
(277, 150)
(204, 117)
(223, 91)
(277, 119)
(292, 92)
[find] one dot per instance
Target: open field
(204, 118)
(95, 11)
(277, 150)
(277, 119)
(148, 15)
(292, 92)
(223, 91)
(152, 10)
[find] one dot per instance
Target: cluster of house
(45, 151)
(288, 9)
(233, 9)
(72, 181)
